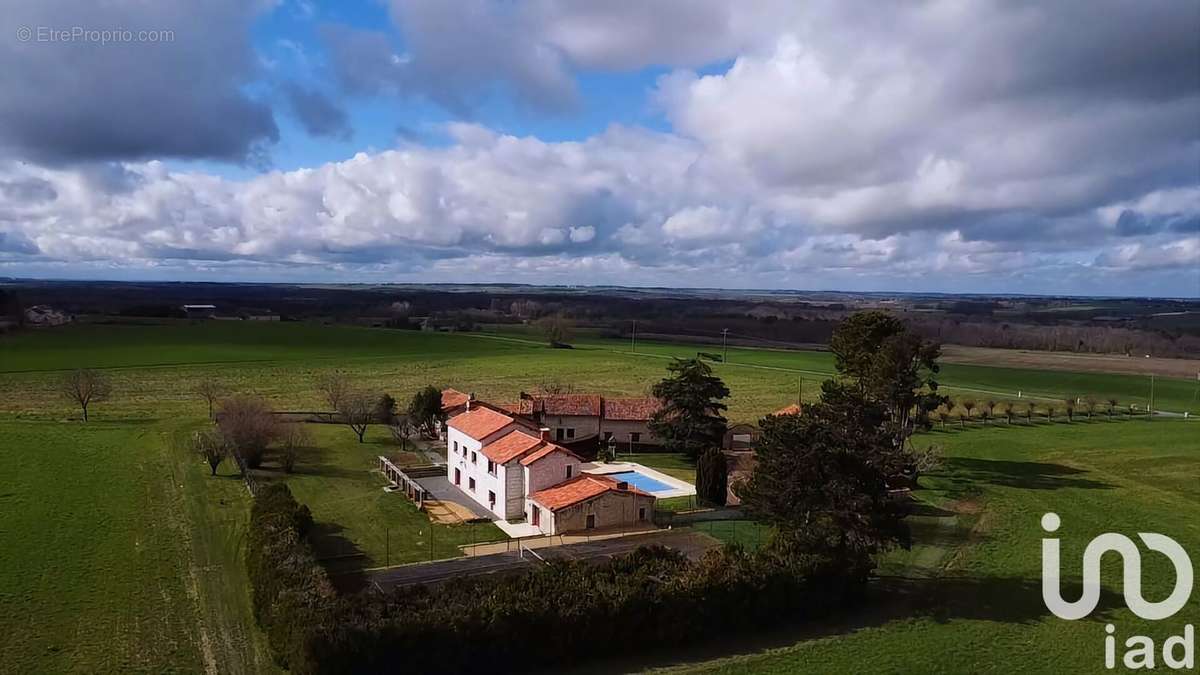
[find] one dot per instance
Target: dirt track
(1097, 363)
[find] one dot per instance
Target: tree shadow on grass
(967, 471)
(1010, 600)
(342, 558)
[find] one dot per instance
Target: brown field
(1092, 363)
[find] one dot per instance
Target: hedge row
(554, 614)
(290, 589)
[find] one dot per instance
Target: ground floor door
(537, 516)
(458, 476)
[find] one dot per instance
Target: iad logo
(1141, 651)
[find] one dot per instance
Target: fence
(412, 489)
(247, 478)
(665, 518)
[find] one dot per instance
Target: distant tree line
(1083, 339)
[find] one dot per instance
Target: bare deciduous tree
(293, 438)
(211, 391)
(248, 427)
(212, 446)
(357, 411)
(334, 386)
(968, 405)
(84, 387)
(402, 428)
(555, 387)
(556, 329)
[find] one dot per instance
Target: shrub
(290, 590)
(248, 426)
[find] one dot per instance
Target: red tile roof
(453, 398)
(479, 423)
(544, 451)
(579, 489)
(510, 446)
(563, 404)
(633, 409)
(793, 409)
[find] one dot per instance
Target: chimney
(623, 485)
(544, 432)
(470, 400)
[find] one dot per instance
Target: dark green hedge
(290, 589)
(555, 614)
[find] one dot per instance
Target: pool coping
(679, 488)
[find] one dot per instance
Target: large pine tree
(690, 420)
(821, 479)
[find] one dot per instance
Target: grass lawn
(671, 463)
(358, 524)
(101, 568)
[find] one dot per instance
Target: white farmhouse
(517, 473)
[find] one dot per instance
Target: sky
(966, 146)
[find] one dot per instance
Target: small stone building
(589, 502)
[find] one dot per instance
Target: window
(491, 467)
(570, 468)
(471, 484)
(634, 437)
(474, 458)
(570, 433)
(492, 498)
(591, 521)
(558, 433)
(456, 447)
(642, 513)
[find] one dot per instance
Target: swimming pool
(641, 481)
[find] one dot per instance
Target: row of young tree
(967, 410)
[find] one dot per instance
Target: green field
(969, 598)
(119, 553)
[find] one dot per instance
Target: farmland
(118, 552)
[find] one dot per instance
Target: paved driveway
(689, 542)
(443, 490)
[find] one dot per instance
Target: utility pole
(1151, 397)
(800, 392)
(724, 345)
(635, 336)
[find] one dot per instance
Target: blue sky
(978, 146)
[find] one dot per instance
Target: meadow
(119, 553)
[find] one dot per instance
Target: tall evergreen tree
(821, 479)
(877, 355)
(425, 410)
(690, 419)
(712, 477)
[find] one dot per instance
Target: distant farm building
(200, 311)
(45, 315)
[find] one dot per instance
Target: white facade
(482, 480)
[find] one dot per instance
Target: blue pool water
(640, 481)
